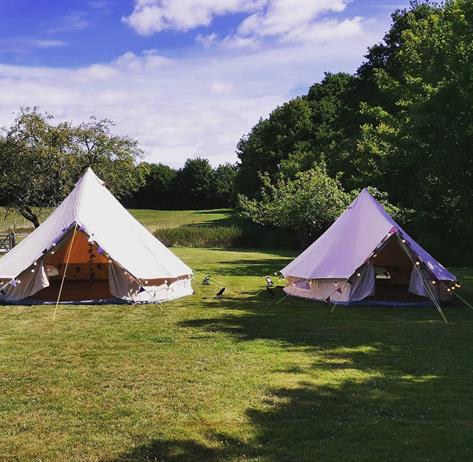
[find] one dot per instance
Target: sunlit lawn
(241, 379)
(152, 219)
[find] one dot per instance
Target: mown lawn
(152, 219)
(241, 379)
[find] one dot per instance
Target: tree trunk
(27, 213)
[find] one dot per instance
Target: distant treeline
(197, 185)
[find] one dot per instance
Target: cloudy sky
(184, 77)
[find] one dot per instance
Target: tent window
(382, 273)
(51, 271)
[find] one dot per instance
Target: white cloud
(183, 107)
(150, 16)
(283, 16)
(74, 21)
(19, 45)
(326, 31)
(207, 40)
(283, 20)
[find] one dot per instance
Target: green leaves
(41, 161)
(306, 205)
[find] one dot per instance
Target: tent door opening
(393, 270)
(87, 273)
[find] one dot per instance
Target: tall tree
(224, 186)
(41, 161)
(272, 140)
(193, 184)
(156, 192)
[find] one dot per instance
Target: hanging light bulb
(434, 282)
(35, 264)
(53, 244)
(52, 252)
(403, 241)
(358, 274)
(146, 282)
(417, 263)
(32, 270)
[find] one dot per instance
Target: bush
(225, 237)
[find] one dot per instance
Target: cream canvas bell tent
(90, 249)
(365, 256)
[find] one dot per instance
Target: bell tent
(90, 249)
(365, 256)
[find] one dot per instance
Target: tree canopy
(402, 123)
(40, 161)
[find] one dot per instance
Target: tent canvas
(101, 251)
(365, 255)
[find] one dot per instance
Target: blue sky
(184, 77)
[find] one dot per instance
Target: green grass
(241, 379)
(153, 219)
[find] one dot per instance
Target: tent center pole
(65, 271)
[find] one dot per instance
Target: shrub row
(224, 237)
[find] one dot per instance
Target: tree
(417, 143)
(224, 186)
(193, 184)
(272, 140)
(40, 162)
(156, 191)
(306, 205)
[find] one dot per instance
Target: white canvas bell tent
(90, 249)
(366, 256)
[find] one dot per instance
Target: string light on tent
(434, 282)
(403, 241)
(358, 274)
(417, 263)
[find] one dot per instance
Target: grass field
(241, 379)
(152, 219)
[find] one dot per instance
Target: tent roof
(91, 205)
(351, 239)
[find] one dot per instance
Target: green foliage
(403, 124)
(195, 186)
(40, 161)
(156, 192)
(224, 189)
(271, 141)
(306, 205)
(237, 236)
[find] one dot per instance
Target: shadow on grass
(379, 384)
